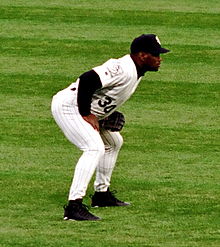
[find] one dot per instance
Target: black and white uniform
(114, 82)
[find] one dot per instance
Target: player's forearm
(88, 84)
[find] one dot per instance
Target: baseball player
(86, 112)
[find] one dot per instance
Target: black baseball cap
(147, 43)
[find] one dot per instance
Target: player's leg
(113, 142)
(81, 134)
(103, 197)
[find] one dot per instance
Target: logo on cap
(157, 39)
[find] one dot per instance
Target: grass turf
(169, 165)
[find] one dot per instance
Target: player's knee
(119, 142)
(99, 149)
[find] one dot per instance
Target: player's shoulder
(118, 66)
(114, 67)
(116, 71)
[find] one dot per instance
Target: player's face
(151, 62)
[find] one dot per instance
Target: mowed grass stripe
(75, 31)
(35, 47)
(200, 6)
(195, 20)
(20, 47)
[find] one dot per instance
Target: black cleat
(106, 199)
(78, 211)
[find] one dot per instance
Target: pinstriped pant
(100, 149)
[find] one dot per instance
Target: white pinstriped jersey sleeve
(119, 81)
(111, 72)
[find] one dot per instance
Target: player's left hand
(113, 122)
(93, 120)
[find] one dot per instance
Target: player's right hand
(93, 120)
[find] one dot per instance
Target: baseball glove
(113, 122)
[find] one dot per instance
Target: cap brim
(164, 50)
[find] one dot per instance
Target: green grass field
(168, 167)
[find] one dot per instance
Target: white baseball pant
(100, 149)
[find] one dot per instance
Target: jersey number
(106, 104)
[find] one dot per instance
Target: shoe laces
(111, 195)
(82, 209)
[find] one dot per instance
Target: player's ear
(143, 55)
